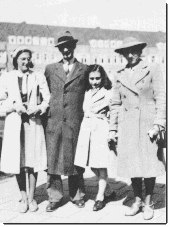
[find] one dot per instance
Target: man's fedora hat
(130, 42)
(65, 37)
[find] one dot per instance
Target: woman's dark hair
(15, 64)
(105, 82)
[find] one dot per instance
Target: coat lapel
(98, 95)
(140, 72)
(124, 79)
(31, 83)
(15, 88)
(60, 71)
(130, 82)
(75, 72)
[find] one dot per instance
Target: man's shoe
(79, 203)
(52, 206)
(134, 209)
(98, 205)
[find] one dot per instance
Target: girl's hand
(19, 108)
(112, 136)
(33, 110)
(42, 110)
(2, 114)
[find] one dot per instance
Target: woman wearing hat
(24, 141)
(137, 114)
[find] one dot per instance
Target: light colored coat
(138, 103)
(93, 137)
(35, 155)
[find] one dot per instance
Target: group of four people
(84, 112)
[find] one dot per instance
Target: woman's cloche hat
(20, 49)
(65, 37)
(128, 43)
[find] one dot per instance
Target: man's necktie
(66, 68)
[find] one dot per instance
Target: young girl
(92, 146)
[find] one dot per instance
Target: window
(95, 60)
(12, 39)
(102, 60)
(85, 60)
(20, 40)
(163, 60)
(109, 60)
(153, 58)
(115, 60)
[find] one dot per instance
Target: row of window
(28, 40)
(40, 58)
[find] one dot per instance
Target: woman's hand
(19, 108)
(34, 110)
(154, 132)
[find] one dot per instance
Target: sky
(138, 15)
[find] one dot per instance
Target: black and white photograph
(83, 111)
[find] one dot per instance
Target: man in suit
(66, 80)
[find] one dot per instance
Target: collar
(72, 61)
(21, 74)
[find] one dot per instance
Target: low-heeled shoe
(98, 205)
(79, 203)
(52, 206)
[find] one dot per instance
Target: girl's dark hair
(15, 64)
(105, 82)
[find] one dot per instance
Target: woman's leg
(137, 188)
(21, 179)
(32, 184)
(148, 209)
(149, 187)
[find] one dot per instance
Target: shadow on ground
(116, 191)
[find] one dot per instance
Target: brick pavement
(69, 213)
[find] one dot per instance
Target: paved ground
(69, 213)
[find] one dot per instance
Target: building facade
(94, 46)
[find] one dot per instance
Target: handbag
(162, 139)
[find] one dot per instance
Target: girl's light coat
(93, 136)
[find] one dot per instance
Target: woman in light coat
(138, 114)
(92, 146)
(24, 141)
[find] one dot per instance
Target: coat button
(137, 108)
(65, 92)
(124, 96)
(66, 104)
(64, 119)
(143, 81)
